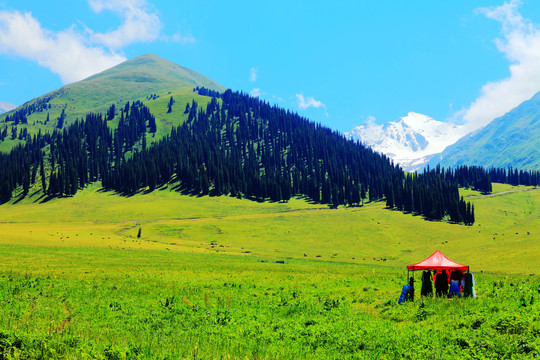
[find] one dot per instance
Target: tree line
(245, 147)
(238, 146)
(69, 159)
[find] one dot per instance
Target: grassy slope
(75, 282)
(502, 239)
(136, 79)
(510, 140)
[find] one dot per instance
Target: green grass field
(219, 277)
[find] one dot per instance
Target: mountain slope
(226, 143)
(5, 107)
(511, 140)
(142, 78)
(409, 141)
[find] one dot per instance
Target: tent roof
(436, 261)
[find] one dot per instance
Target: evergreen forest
(238, 146)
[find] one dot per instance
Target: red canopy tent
(438, 261)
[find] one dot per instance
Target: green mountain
(203, 142)
(511, 140)
(146, 78)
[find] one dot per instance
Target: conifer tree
(42, 175)
(111, 112)
(169, 106)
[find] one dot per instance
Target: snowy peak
(5, 107)
(410, 140)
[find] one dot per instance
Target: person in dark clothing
(468, 289)
(410, 295)
(441, 283)
(427, 286)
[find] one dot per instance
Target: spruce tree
(169, 106)
(42, 175)
(111, 112)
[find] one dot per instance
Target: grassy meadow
(220, 277)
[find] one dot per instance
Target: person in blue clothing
(455, 279)
(407, 293)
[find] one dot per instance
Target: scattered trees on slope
(238, 146)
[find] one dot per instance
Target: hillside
(238, 146)
(278, 230)
(204, 143)
(147, 78)
(511, 140)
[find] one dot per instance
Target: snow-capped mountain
(5, 107)
(409, 141)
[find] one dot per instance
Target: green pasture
(220, 277)
(503, 239)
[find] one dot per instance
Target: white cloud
(66, 53)
(306, 102)
(253, 74)
(74, 54)
(140, 24)
(255, 92)
(183, 39)
(520, 43)
(369, 132)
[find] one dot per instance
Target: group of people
(451, 284)
(448, 284)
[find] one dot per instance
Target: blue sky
(338, 63)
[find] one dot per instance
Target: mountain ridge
(508, 141)
(135, 79)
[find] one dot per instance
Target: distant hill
(146, 77)
(5, 107)
(511, 140)
(409, 141)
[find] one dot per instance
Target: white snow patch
(409, 141)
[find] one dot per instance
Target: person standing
(468, 289)
(455, 290)
(427, 286)
(441, 283)
(407, 293)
